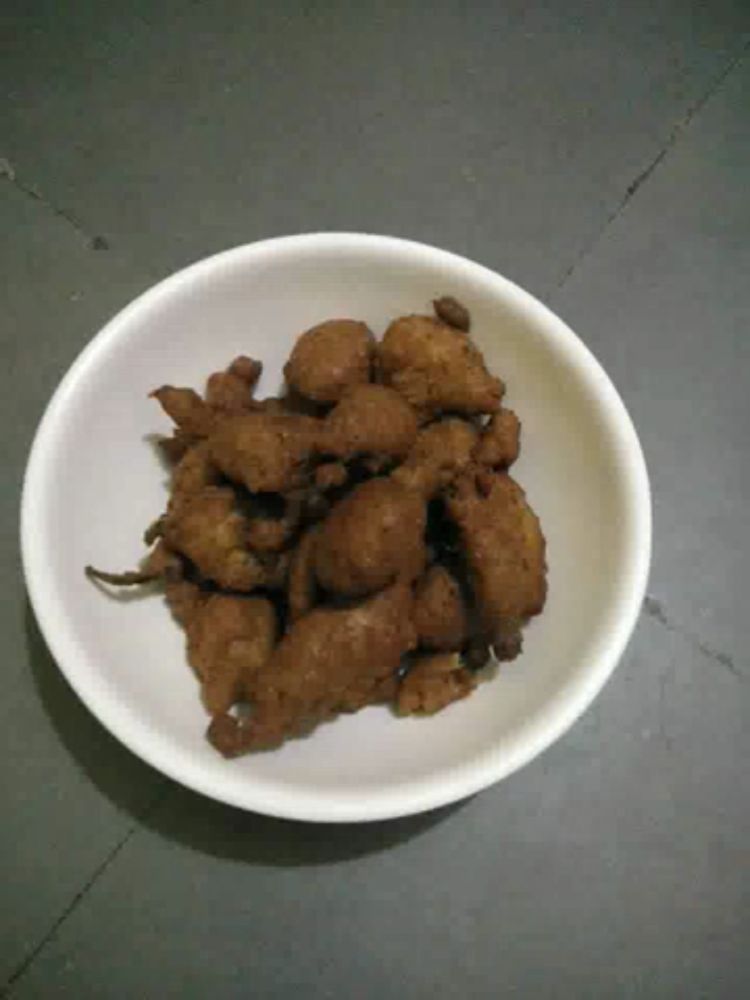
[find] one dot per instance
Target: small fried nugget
(266, 452)
(302, 584)
(185, 407)
(440, 614)
(194, 471)
(331, 660)
(370, 420)
(441, 450)
(230, 392)
(500, 441)
(173, 448)
(371, 537)
(504, 548)
(434, 681)
(436, 368)
(330, 358)
(452, 312)
(229, 639)
(209, 530)
(184, 598)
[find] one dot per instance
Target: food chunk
(437, 368)
(265, 452)
(452, 312)
(504, 546)
(370, 420)
(433, 682)
(329, 657)
(440, 613)
(500, 441)
(229, 639)
(192, 415)
(330, 358)
(441, 450)
(371, 537)
(231, 391)
(302, 585)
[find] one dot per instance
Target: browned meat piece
(248, 369)
(440, 614)
(500, 441)
(330, 358)
(184, 598)
(329, 475)
(440, 452)
(504, 547)
(229, 639)
(173, 448)
(231, 391)
(301, 582)
(370, 420)
(329, 661)
(207, 528)
(433, 682)
(266, 452)
(437, 368)
(194, 471)
(192, 414)
(452, 312)
(371, 537)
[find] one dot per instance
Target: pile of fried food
(357, 540)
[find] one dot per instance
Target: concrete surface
(597, 153)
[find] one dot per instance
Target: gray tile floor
(597, 153)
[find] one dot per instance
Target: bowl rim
(410, 797)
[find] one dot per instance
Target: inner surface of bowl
(95, 481)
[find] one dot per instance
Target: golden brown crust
(329, 661)
(440, 614)
(441, 450)
(433, 682)
(185, 407)
(370, 538)
(436, 368)
(500, 442)
(330, 358)
(370, 420)
(452, 312)
(504, 546)
(301, 582)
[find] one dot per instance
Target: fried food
(440, 614)
(229, 639)
(265, 452)
(353, 541)
(433, 682)
(328, 659)
(500, 441)
(436, 368)
(370, 420)
(504, 546)
(330, 358)
(371, 537)
(441, 450)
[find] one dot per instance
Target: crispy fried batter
(440, 452)
(433, 682)
(500, 441)
(184, 598)
(504, 547)
(301, 582)
(229, 639)
(370, 420)
(266, 452)
(330, 475)
(185, 407)
(206, 527)
(440, 614)
(329, 358)
(452, 312)
(271, 534)
(371, 537)
(329, 660)
(173, 448)
(436, 368)
(194, 471)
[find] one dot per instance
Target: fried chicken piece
(173, 448)
(329, 661)
(370, 538)
(329, 358)
(440, 614)
(452, 312)
(266, 452)
(194, 471)
(440, 452)
(301, 582)
(370, 420)
(184, 598)
(500, 441)
(436, 368)
(230, 392)
(185, 407)
(209, 530)
(504, 548)
(229, 639)
(433, 682)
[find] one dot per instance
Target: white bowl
(93, 482)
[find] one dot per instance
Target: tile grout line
(655, 610)
(676, 133)
(28, 961)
